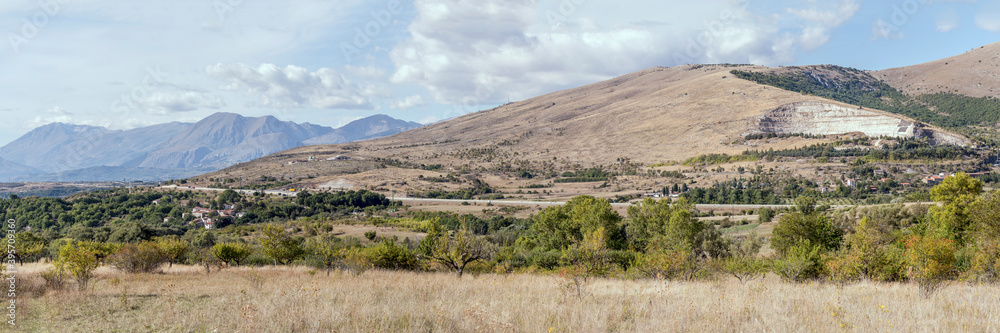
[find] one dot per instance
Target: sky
(127, 64)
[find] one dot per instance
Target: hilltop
(635, 126)
(975, 73)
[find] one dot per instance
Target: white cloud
(163, 102)
(409, 103)
(821, 21)
(948, 20)
(471, 53)
(883, 30)
(988, 17)
(296, 87)
(832, 17)
(57, 111)
(367, 72)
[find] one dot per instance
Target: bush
(802, 261)
(144, 257)
(257, 259)
(930, 262)
(545, 259)
(78, 261)
(388, 255)
(662, 264)
(232, 252)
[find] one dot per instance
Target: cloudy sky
(125, 64)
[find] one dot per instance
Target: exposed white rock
(828, 119)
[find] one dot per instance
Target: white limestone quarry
(828, 119)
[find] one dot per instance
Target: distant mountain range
(65, 152)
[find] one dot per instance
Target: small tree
(280, 245)
(29, 246)
(205, 258)
(930, 262)
(328, 248)
(145, 257)
(231, 252)
(662, 264)
(174, 248)
(79, 262)
(455, 251)
(802, 261)
(388, 255)
(743, 262)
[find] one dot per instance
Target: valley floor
(286, 299)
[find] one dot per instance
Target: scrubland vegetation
(575, 267)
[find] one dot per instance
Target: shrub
(545, 259)
(174, 248)
(388, 255)
(232, 252)
(54, 277)
(257, 259)
(79, 262)
(985, 266)
(144, 257)
(662, 264)
(802, 261)
(371, 234)
(930, 262)
(843, 267)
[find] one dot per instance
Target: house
(156, 202)
(935, 179)
(166, 219)
(200, 212)
(205, 222)
(338, 158)
(851, 183)
(293, 162)
(653, 195)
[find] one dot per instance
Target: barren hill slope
(975, 73)
(655, 115)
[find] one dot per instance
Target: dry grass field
(294, 299)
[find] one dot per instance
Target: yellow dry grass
(287, 299)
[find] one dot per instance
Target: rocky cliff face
(830, 119)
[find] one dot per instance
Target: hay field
(286, 299)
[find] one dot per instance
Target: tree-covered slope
(857, 87)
